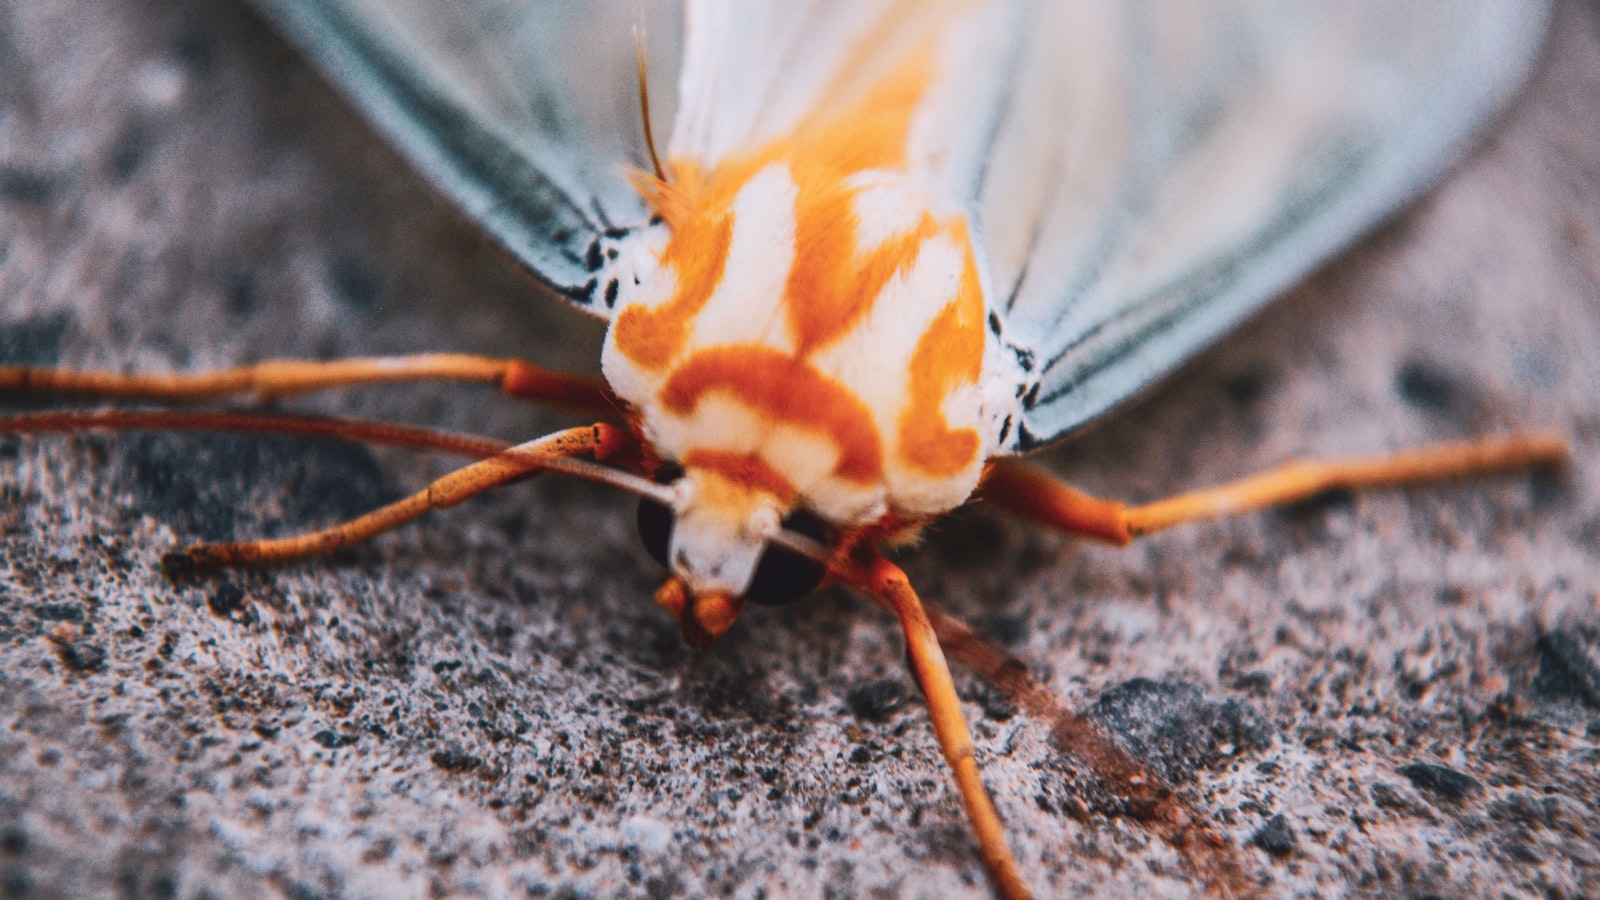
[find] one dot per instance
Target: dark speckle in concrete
(1428, 387)
(34, 340)
(995, 704)
(877, 700)
(17, 882)
(1567, 667)
(1276, 836)
(1005, 629)
(1175, 727)
(226, 599)
(130, 152)
(333, 740)
(196, 50)
(1440, 781)
(25, 186)
(354, 281)
(59, 612)
(455, 761)
(195, 482)
(80, 656)
(1249, 387)
(239, 289)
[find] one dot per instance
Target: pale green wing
(1162, 169)
(525, 112)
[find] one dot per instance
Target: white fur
(886, 205)
(874, 360)
(745, 306)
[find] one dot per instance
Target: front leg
(503, 468)
(888, 584)
(286, 377)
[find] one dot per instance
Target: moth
(891, 246)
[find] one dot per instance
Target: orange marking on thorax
(831, 284)
(786, 391)
(745, 469)
(949, 355)
(830, 289)
(698, 253)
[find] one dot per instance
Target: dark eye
(654, 520)
(783, 576)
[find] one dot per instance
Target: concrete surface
(1392, 694)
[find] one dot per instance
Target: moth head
(716, 537)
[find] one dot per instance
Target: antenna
(644, 102)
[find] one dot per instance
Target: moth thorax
(721, 529)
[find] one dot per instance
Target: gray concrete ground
(1392, 694)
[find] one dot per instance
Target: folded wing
(525, 112)
(1166, 167)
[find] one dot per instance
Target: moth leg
(284, 377)
(889, 584)
(507, 466)
(1034, 494)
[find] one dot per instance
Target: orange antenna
(644, 102)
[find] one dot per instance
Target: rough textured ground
(1392, 694)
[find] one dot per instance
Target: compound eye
(784, 576)
(654, 520)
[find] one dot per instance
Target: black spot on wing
(1024, 357)
(1026, 439)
